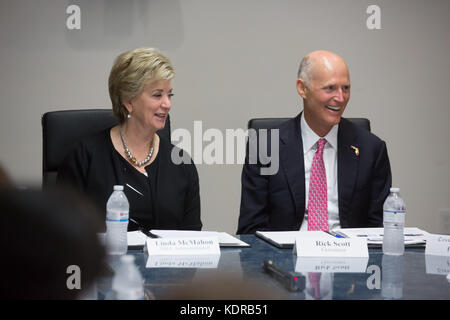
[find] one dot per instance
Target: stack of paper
(286, 239)
(374, 236)
(137, 238)
(225, 240)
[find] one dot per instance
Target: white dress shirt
(310, 138)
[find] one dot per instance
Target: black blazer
(277, 202)
(94, 167)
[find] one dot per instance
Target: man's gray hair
(305, 70)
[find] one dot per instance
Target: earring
(129, 115)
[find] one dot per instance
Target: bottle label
(117, 216)
(394, 216)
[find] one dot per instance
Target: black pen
(141, 229)
(293, 281)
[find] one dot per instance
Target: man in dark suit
(354, 161)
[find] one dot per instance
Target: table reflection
(239, 274)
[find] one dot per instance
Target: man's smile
(333, 108)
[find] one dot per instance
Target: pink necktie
(317, 200)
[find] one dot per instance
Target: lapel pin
(356, 150)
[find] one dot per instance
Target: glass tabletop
(240, 272)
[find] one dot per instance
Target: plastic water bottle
(117, 212)
(127, 282)
(394, 211)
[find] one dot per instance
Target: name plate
(438, 245)
(183, 246)
(324, 247)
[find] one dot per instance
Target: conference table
(239, 270)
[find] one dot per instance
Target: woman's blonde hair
(132, 70)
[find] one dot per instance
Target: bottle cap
(118, 188)
(395, 189)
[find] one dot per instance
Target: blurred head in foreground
(5, 180)
(44, 234)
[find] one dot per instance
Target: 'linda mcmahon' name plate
(339, 247)
(183, 246)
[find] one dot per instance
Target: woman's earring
(129, 115)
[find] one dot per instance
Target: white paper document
(136, 238)
(286, 239)
(225, 240)
(374, 236)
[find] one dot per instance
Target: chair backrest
(61, 130)
(270, 123)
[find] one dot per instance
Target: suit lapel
(348, 164)
(291, 153)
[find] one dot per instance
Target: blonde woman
(162, 195)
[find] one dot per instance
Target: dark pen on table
(142, 229)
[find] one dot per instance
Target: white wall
(236, 60)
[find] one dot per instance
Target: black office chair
(270, 123)
(62, 129)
